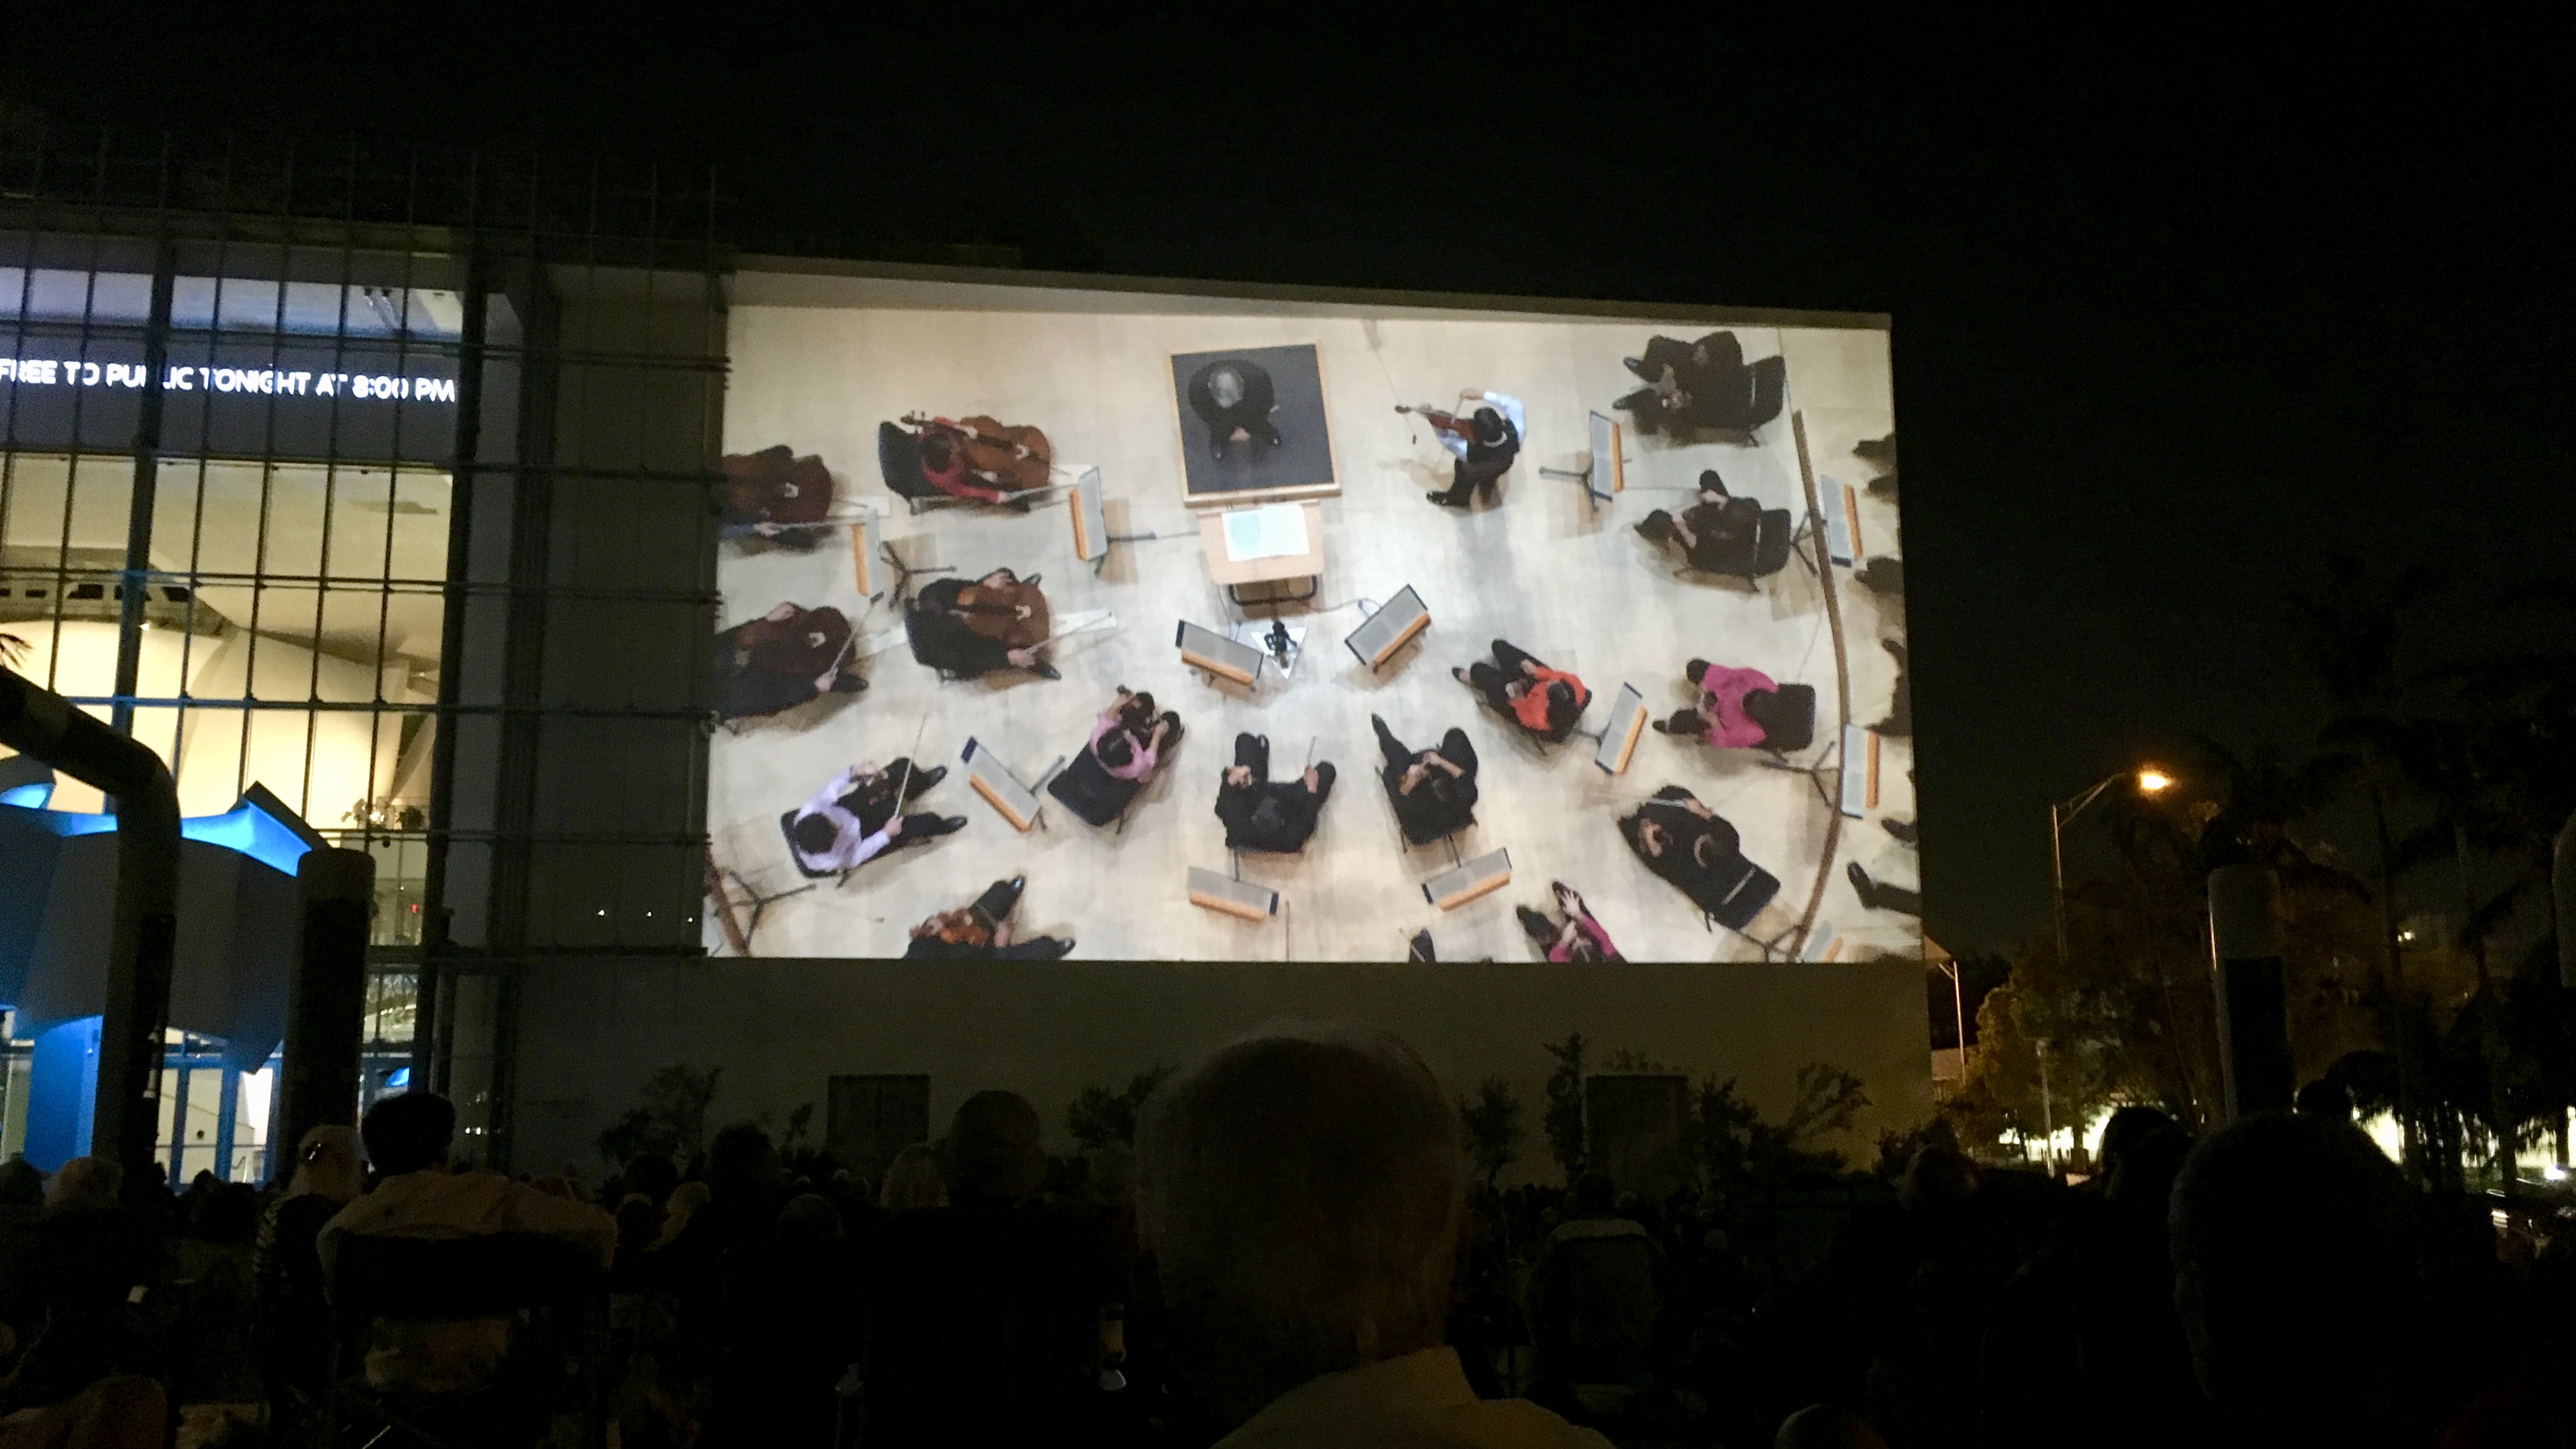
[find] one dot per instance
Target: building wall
(593, 1031)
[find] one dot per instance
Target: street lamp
(2149, 781)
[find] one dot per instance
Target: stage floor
(1576, 587)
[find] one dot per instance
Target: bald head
(1301, 1194)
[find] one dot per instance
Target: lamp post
(1958, 1010)
(2150, 780)
(2047, 1113)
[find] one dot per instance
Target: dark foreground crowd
(1292, 1254)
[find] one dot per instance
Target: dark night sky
(2177, 313)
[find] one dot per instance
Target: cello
(1014, 458)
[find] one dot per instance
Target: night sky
(2178, 313)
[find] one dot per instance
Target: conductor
(1235, 398)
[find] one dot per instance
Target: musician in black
(1235, 398)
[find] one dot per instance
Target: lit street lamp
(2149, 779)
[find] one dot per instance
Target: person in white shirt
(1301, 1197)
(855, 817)
(1485, 443)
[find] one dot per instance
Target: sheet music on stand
(1275, 530)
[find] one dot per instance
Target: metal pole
(2057, 873)
(125, 1113)
(2047, 1112)
(327, 993)
(134, 587)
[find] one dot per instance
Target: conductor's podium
(1392, 627)
(1462, 883)
(1215, 892)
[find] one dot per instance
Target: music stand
(1606, 463)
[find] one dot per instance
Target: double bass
(1013, 612)
(776, 488)
(1012, 458)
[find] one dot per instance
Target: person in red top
(943, 466)
(1731, 703)
(1546, 702)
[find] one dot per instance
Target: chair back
(488, 1275)
(1771, 542)
(899, 460)
(1788, 717)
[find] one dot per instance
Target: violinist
(1484, 444)
(982, 931)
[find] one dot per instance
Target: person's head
(1489, 427)
(1593, 1195)
(2125, 1129)
(637, 1220)
(227, 1214)
(912, 1180)
(21, 1185)
(1138, 710)
(815, 833)
(2324, 1098)
(991, 1150)
(1301, 1194)
(1238, 776)
(84, 1185)
(1658, 526)
(409, 1133)
(809, 1218)
(1826, 1426)
(1225, 385)
(1938, 1177)
(651, 1174)
(1709, 482)
(1647, 837)
(326, 1164)
(1115, 750)
(2294, 1270)
(743, 1163)
(685, 1201)
(938, 451)
(1685, 722)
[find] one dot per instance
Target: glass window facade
(384, 485)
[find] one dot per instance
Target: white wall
(591, 1033)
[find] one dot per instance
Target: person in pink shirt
(1577, 938)
(1128, 737)
(1732, 704)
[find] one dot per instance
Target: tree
(1732, 1147)
(1099, 1116)
(1563, 1119)
(1492, 1124)
(670, 1115)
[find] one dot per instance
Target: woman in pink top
(1128, 737)
(1577, 938)
(1720, 717)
